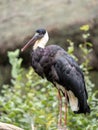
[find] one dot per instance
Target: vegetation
(31, 101)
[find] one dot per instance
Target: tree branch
(5, 126)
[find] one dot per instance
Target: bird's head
(38, 40)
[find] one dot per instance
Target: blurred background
(62, 19)
(25, 97)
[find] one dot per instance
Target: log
(5, 126)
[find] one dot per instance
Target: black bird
(60, 68)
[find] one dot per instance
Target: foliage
(24, 102)
(88, 122)
(32, 102)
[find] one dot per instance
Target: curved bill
(32, 41)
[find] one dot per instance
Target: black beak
(36, 37)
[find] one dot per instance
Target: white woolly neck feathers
(42, 42)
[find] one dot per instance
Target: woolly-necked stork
(60, 68)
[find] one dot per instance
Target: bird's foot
(65, 128)
(62, 128)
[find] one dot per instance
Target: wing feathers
(71, 77)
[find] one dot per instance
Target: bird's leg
(60, 109)
(65, 122)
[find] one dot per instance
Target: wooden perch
(5, 126)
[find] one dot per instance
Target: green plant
(24, 102)
(85, 122)
(30, 101)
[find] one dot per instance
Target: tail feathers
(78, 105)
(81, 110)
(83, 105)
(87, 110)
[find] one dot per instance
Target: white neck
(42, 42)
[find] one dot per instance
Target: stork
(60, 68)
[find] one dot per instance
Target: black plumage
(58, 67)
